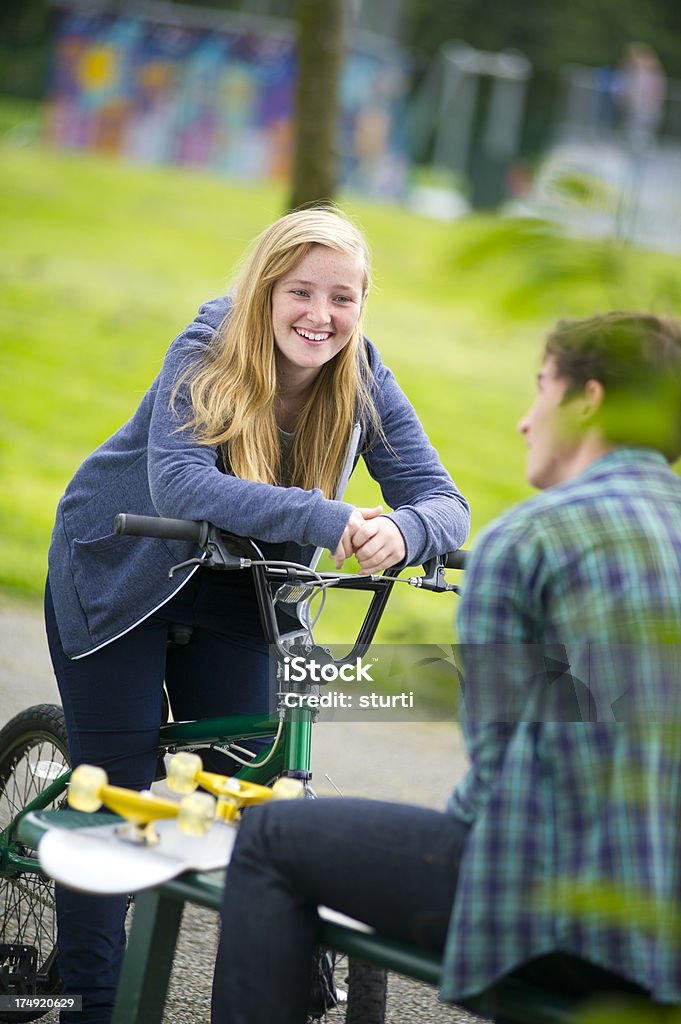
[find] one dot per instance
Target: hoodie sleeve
(428, 508)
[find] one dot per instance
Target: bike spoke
(27, 900)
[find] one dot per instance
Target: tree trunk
(320, 57)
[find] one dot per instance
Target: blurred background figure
(641, 90)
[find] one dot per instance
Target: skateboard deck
(99, 859)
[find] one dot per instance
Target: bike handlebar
(455, 559)
(156, 526)
(227, 551)
(199, 532)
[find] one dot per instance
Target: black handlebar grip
(456, 559)
(156, 526)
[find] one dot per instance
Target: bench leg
(148, 959)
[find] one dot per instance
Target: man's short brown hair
(637, 359)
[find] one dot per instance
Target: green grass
(105, 262)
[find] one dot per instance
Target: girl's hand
(378, 544)
(358, 517)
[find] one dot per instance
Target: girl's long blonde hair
(234, 385)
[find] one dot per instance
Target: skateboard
(158, 838)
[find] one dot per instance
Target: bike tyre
(365, 986)
(27, 901)
(367, 993)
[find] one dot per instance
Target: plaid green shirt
(575, 841)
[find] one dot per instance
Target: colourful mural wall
(222, 100)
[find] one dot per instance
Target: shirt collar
(621, 458)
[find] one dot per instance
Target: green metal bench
(155, 926)
(156, 923)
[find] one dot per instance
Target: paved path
(391, 761)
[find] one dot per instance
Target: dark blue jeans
(392, 866)
(112, 701)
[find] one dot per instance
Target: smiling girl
(260, 409)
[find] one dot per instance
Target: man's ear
(591, 399)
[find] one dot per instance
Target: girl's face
(315, 308)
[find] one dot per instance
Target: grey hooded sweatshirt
(104, 584)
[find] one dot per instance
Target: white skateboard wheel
(287, 789)
(182, 771)
(85, 786)
(196, 814)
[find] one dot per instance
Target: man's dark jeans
(392, 866)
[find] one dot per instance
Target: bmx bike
(35, 768)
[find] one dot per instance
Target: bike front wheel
(367, 993)
(347, 990)
(33, 753)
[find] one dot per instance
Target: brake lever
(433, 578)
(217, 553)
(185, 565)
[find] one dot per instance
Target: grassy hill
(104, 263)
